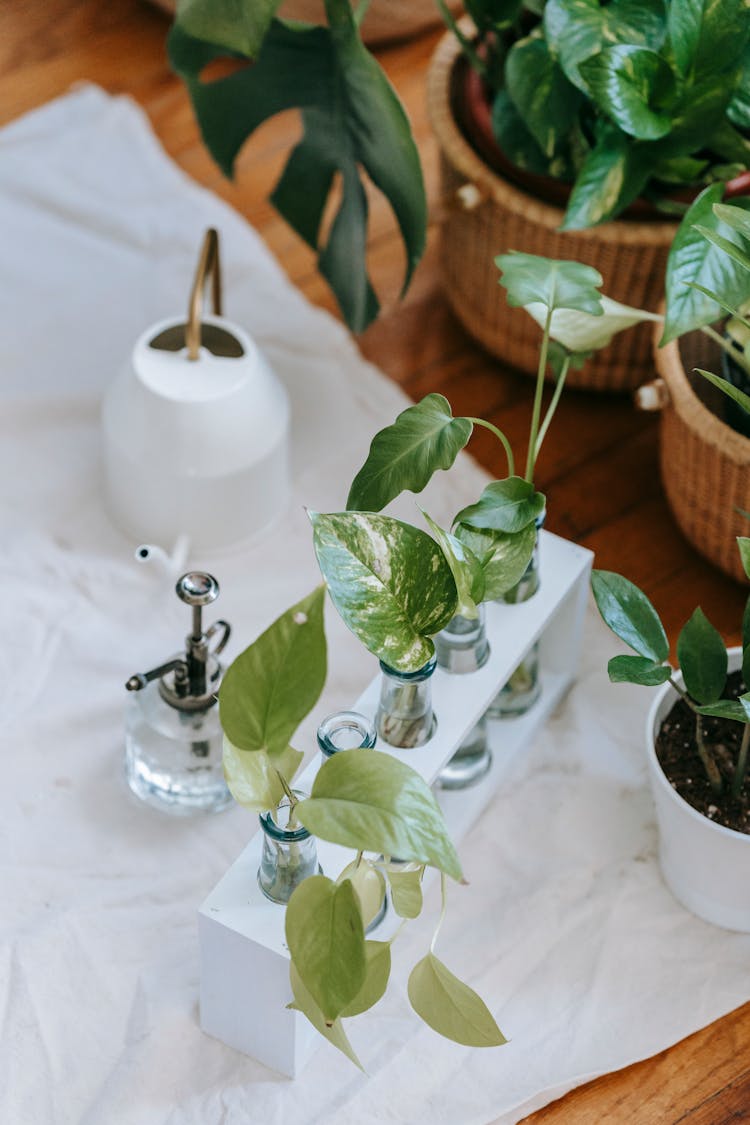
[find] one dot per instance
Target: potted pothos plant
(599, 103)
(361, 799)
(698, 745)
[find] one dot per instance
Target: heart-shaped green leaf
(637, 670)
(465, 568)
(504, 556)
(578, 29)
(693, 259)
(326, 941)
(505, 505)
(703, 659)
(424, 438)
(377, 973)
(543, 96)
(389, 581)
(270, 687)
(581, 332)
(628, 83)
(369, 887)
(375, 803)
(630, 615)
(530, 279)
(707, 37)
(450, 1007)
(332, 1031)
(253, 776)
(734, 217)
(406, 890)
(612, 174)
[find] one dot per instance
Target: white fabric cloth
(566, 929)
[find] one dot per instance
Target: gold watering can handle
(209, 267)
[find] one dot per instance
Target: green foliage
(638, 670)
(406, 889)
(424, 438)
(389, 581)
(503, 556)
(465, 568)
(377, 974)
(376, 803)
(630, 615)
(270, 687)
(333, 1030)
(554, 284)
(450, 1007)
(253, 775)
(505, 505)
(369, 887)
(351, 117)
(326, 942)
(703, 659)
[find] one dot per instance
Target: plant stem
(712, 770)
(741, 768)
(441, 919)
(552, 406)
(531, 456)
(683, 694)
(466, 45)
(505, 443)
(361, 11)
(293, 802)
(738, 356)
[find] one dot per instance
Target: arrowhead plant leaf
(630, 615)
(376, 803)
(582, 332)
(389, 581)
(271, 686)
(530, 279)
(628, 83)
(703, 659)
(403, 457)
(326, 941)
(729, 390)
(450, 1007)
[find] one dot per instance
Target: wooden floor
(599, 468)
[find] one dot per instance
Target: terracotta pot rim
(735, 652)
(694, 413)
(469, 164)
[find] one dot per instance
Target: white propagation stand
(244, 985)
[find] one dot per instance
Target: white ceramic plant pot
(706, 866)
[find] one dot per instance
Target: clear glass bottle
(346, 730)
(523, 687)
(173, 739)
(289, 853)
(462, 648)
(405, 718)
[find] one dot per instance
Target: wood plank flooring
(599, 467)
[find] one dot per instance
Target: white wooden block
(244, 960)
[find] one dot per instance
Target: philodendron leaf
(628, 83)
(375, 803)
(326, 941)
(332, 1031)
(693, 259)
(233, 24)
(450, 1007)
(530, 279)
(465, 568)
(637, 670)
(744, 547)
(728, 388)
(703, 659)
(389, 581)
(369, 887)
(406, 890)
(377, 973)
(581, 332)
(270, 687)
(504, 555)
(352, 123)
(505, 505)
(253, 776)
(630, 615)
(403, 456)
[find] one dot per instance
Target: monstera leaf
(389, 581)
(351, 117)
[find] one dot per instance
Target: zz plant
(361, 799)
(620, 99)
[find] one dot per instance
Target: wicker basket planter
(630, 255)
(705, 464)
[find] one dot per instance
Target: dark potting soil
(678, 756)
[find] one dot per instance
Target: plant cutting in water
(361, 799)
(702, 658)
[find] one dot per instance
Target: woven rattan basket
(705, 464)
(631, 256)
